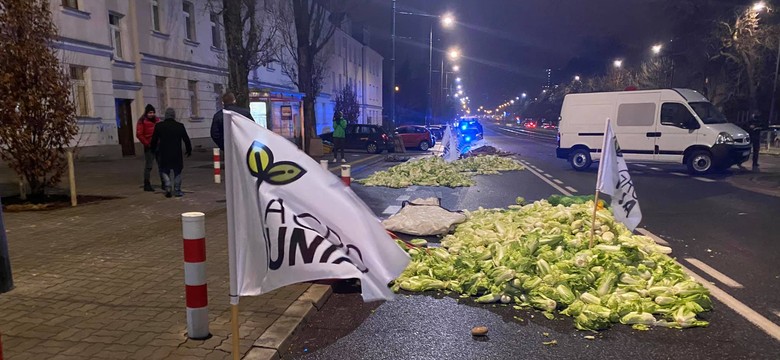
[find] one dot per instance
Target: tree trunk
(238, 67)
(310, 120)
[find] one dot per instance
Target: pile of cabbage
(434, 171)
(538, 256)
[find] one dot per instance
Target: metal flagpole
(598, 181)
(232, 267)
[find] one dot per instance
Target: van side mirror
(692, 124)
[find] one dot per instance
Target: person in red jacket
(144, 131)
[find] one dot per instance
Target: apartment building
(124, 54)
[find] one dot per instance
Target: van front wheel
(580, 159)
(699, 162)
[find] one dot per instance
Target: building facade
(124, 54)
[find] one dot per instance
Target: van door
(636, 128)
(677, 130)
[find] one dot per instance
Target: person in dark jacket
(754, 130)
(166, 140)
(217, 122)
(143, 131)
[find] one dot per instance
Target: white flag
(291, 221)
(450, 145)
(613, 179)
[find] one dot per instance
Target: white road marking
(751, 315)
(678, 174)
(403, 198)
(558, 181)
(411, 188)
(704, 179)
(547, 175)
(642, 165)
(571, 189)
(740, 308)
(392, 209)
(714, 273)
(657, 239)
(554, 185)
(656, 169)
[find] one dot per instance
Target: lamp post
(447, 21)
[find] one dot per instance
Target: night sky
(508, 44)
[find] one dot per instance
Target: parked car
(414, 136)
(437, 131)
(530, 123)
(549, 125)
(470, 129)
(371, 138)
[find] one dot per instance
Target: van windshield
(708, 113)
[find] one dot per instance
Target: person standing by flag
(217, 122)
(167, 139)
(143, 131)
(339, 136)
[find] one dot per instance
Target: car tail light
(384, 137)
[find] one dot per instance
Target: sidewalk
(105, 280)
(765, 179)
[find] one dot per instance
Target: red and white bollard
(193, 227)
(217, 167)
(346, 174)
(324, 165)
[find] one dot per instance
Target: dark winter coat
(144, 130)
(218, 126)
(166, 141)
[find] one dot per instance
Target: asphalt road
(710, 225)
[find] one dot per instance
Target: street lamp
(447, 20)
(457, 79)
(657, 49)
(397, 88)
(617, 63)
(454, 54)
(456, 68)
(524, 95)
(460, 87)
(759, 6)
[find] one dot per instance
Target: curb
(277, 337)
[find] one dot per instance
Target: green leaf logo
(260, 161)
(284, 172)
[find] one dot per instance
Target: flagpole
(598, 181)
(232, 269)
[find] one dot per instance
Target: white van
(668, 125)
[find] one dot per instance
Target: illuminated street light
(454, 54)
(759, 6)
(448, 20)
(576, 78)
(460, 92)
(617, 63)
(512, 101)
(456, 96)
(456, 68)
(397, 88)
(524, 95)
(517, 98)
(657, 49)
(460, 87)
(457, 79)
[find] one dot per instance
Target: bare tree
(347, 103)
(37, 116)
(306, 39)
(655, 73)
(746, 44)
(251, 38)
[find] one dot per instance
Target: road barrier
(217, 167)
(193, 227)
(346, 174)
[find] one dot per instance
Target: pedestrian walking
(339, 136)
(144, 131)
(166, 140)
(217, 122)
(754, 129)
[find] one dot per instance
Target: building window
(218, 90)
(79, 90)
(189, 21)
(162, 92)
(216, 35)
(116, 34)
(73, 4)
(192, 87)
(156, 15)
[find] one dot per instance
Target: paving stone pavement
(106, 281)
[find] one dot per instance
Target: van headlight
(724, 138)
